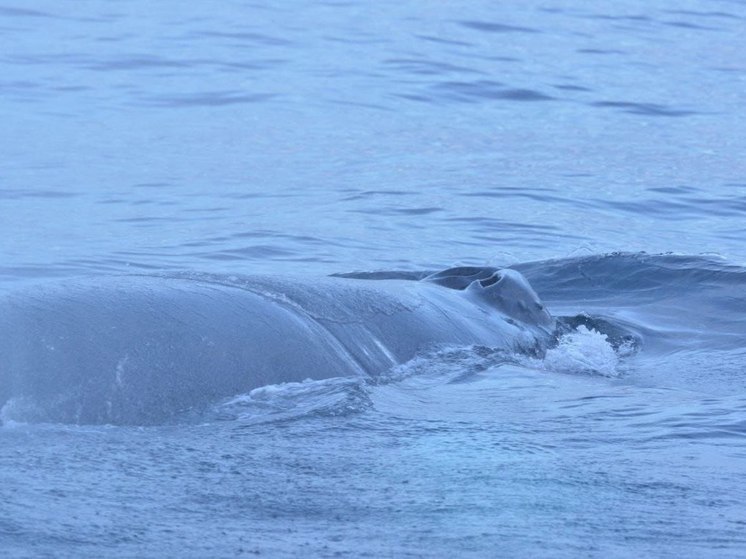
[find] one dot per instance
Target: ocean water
(597, 149)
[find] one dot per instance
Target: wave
(670, 302)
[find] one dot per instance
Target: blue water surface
(597, 148)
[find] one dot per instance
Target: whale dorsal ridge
(510, 293)
(505, 290)
(461, 277)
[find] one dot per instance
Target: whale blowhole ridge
(509, 292)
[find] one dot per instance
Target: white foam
(444, 365)
(292, 400)
(19, 411)
(583, 351)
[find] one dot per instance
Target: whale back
(135, 350)
(138, 349)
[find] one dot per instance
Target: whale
(138, 349)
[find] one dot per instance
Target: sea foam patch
(582, 351)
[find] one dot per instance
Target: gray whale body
(140, 349)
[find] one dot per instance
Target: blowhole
(492, 280)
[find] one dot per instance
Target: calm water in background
(322, 137)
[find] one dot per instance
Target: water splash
(583, 351)
(19, 411)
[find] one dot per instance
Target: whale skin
(136, 349)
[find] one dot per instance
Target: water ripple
(138, 62)
(18, 194)
(648, 109)
(444, 41)
(23, 12)
(243, 37)
(428, 67)
(688, 25)
(491, 27)
(207, 99)
(484, 90)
